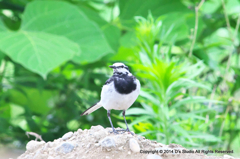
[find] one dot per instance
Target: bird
(119, 92)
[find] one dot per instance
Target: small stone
(129, 152)
(134, 146)
(97, 144)
(107, 142)
(65, 147)
(33, 145)
(88, 146)
(120, 148)
(67, 136)
(99, 135)
(79, 131)
(228, 157)
(97, 128)
(50, 157)
(109, 150)
(153, 156)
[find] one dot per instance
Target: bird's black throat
(123, 83)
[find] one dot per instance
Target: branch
(196, 26)
(34, 134)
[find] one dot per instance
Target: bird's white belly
(111, 99)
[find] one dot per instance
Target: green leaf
(2, 26)
(138, 111)
(38, 101)
(111, 32)
(64, 19)
(194, 99)
(142, 7)
(38, 52)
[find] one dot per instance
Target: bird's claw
(125, 130)
(114, 131)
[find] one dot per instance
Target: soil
(99, 143)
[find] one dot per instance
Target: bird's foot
(114, 131)
(125, 130)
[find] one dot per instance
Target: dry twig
(34, 134)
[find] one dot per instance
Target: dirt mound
(99, 143)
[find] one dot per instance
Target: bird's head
(120, 68)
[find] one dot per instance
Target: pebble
(107, 142)
(97, 144)
(33, 145)
(134, 146)
(97, 128)
(79, 131)
(65, 147)
(120, 148)
(153, 156)
(67, 136)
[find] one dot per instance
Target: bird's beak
(112, 67)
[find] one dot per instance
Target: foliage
(54, 57)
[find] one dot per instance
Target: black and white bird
(119, 92)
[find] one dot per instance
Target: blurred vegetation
(54, 58)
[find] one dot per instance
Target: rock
(134, 146)
(153, 156)
(67, 136)
(120, 148)
(107, 142)
(99, 135)
(97, 128)
(79, 131)
(227, 157)
(65, 147)
(33, 145)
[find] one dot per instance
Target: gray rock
(65, 147)
(134, 146)
(67, 136)
(107, 142)
(153, 156)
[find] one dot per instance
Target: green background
(54, 58)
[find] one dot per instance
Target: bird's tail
(92, 109)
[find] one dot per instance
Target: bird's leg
(123, 113)
(108, 114)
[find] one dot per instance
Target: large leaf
(39, 52)
(62, 18)
(111, 32)
(2, 26)
(142, 8)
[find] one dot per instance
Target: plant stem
(232, 37)
(223, 123)
(196, 26)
